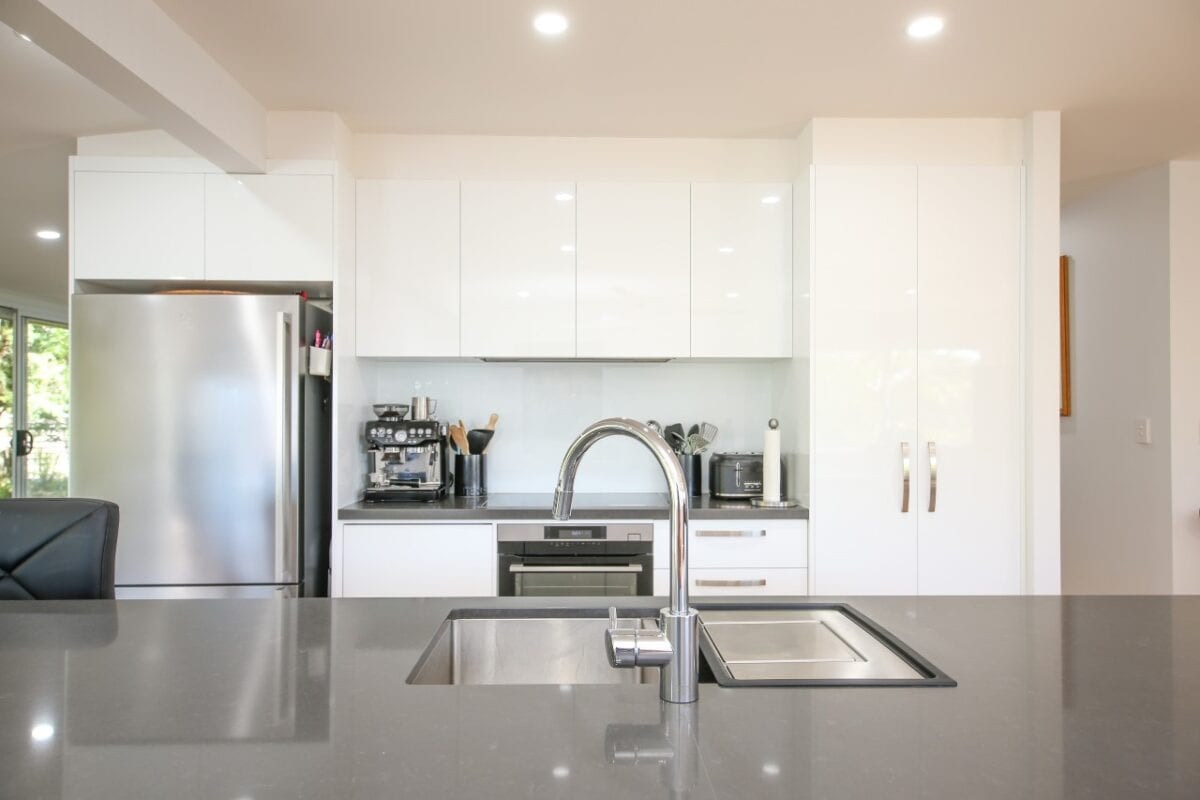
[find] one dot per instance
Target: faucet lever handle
(612, 616)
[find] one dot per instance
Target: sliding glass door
(34, 406)
(8, 398)
(47, 397)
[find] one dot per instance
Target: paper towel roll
(771, 481)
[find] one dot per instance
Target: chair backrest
(57, 549)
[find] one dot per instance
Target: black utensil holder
(693, 470)
(470, 475)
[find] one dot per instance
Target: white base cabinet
(418, 560)
(739, 557)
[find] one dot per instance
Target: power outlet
(1142, 431)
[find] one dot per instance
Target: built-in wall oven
(572, 560)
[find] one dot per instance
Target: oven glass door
(575, 580)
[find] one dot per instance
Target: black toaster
(736, 476)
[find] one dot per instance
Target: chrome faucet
(675, 646)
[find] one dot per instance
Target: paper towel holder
(759, 502)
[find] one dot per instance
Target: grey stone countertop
(1056, 698)
(616, 505)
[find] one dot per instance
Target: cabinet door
(968, 378)
(864, 392)
(742, 270)
(518, 270)
(138, 225)
(634, 282)
(268, 227)
(407, 268)
(418, 561)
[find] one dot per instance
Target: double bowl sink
(777, 644)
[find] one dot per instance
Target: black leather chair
(57, 549)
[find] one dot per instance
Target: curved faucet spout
(678, 622)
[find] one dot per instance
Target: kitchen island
(1056, 697)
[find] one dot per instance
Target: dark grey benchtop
(1057, 698)
(649, 505)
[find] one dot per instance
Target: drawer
(728, 545)
(751, 582)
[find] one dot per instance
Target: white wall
(543, 407)
(1185, 375)
(1116, 526)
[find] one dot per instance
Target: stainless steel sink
(526, 647)
(762, 644)
(807, 644)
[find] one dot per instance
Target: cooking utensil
(492, 420)
(478, 440)
(459, 437)
(696, 444)
(399, 410)
(674, 435)
(708, 431)
(693, 430)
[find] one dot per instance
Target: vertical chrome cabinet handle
(932, 477)
(906, 475)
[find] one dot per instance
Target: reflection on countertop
(1057, 697)
(536, 506)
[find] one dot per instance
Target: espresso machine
(407, 458)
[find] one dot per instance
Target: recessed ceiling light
(732, 295)
(48, 234)
(771, 199)
(41, 732)
(770, 768)
(561, 772)
(564, 197)
(724, 250)
(550, 23)
(523, 293)
(925, 27)
(568, 248)
(23, 36)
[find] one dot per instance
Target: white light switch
(1143, 430)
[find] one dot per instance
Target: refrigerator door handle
(285, 524)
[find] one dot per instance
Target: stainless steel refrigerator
(195, 415)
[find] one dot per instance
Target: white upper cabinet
(969, 380)
(407, 273)
(634, 270)
(268, 227)
(864, 412)
(741, 270)
(518, 269)
(138, 225)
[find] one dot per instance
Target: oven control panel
(567, 532)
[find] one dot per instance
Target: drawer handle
(613, 568)
(715, 582)
(731, 534)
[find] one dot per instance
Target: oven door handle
(613, 568)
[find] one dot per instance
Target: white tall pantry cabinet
(916, 413)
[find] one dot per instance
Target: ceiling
(1126, 75)
(46, 105)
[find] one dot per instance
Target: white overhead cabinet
(138, 226)
(268, 227)
(518, 269)
(916, 424)
(407, 251)
(634, 270)
(741, 270)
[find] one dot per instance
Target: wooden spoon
(459, 437)
(492, 420)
